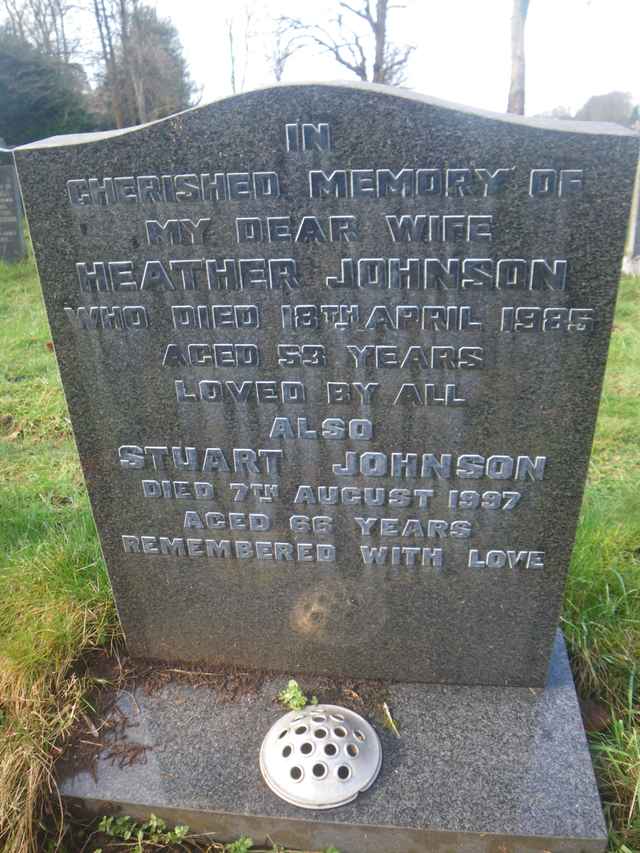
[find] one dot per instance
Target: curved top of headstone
(562, 125)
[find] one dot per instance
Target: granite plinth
(475, 769)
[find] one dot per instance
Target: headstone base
(474, 769)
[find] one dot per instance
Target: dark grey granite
(12, 245)
(475, 769)
(528, 395)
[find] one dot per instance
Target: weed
(293, 698)
(242, 845)
(389, 722)
(154, 831)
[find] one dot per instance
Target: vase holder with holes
(321, 757)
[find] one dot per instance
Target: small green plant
(293, 698)
(389, 722)
(153, 831)
(241, 845)
(117, 827)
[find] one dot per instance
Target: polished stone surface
(475, 769)
(535, 395)
(12, 246)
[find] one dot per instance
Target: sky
(574, 48)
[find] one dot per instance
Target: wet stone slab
(501, 770)
(332, 355)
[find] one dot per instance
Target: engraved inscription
(407, 337)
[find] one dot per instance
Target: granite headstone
(333, 356)
(12, 245)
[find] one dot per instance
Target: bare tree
(42, 23)
(614, 106)
(106, 23)
(515, 104)
(16, 13)
(368, 55)
(132, 38)
(240, 34)
(283, 44)
(232, 55)
(121, 40)
(60, 13)
(143, 72)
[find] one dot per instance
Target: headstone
(333, 359)
(333, 355)
(12, 247)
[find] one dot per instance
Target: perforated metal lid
(321, 757)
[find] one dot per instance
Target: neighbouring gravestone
(333, 356)
(635, 245)
(631, 263)
(12, 247)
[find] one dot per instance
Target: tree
(357, 38)
(144, 74)
(39, 95)
(105, 22)
(43, 24)
(560, 112)
(282, 46)
(515, 102)
(240, 33)
(614, 106)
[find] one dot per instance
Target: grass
(601, 618)
(57, 606)
(56, 600)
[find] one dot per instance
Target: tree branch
(356, 63)
(365, 14)
(385, 63)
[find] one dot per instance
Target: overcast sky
(575, 48)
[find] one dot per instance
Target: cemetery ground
(57, 613)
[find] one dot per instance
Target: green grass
(602, 604)
(56, 601)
